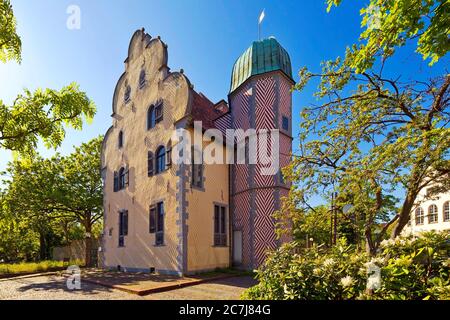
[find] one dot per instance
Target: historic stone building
(177, 218)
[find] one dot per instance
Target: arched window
(122, 178)
(120, 139)
(419, 216)
(127, 95)
(432, 214)
(142, 79)
(151, 120)
(160, 159)
(446, 211)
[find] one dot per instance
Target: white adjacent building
(430, 214)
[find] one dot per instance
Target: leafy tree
(17, 240)
(371, 135)
(40, 114)
(30, 197)
(392, 23)
(82, 188)
(59, 191)
(10, 43)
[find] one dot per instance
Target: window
(160, 160)
(151, 117)
(121, 179)
(419, 216)
(156, 222)
(280, 173)
(123, 227)
(432, 214)
(220, 226)
(142, 79)
(285, 123)
(116, 181)
(150, 162)
(159, 112)
(127, 95)
(447, 211)
(197, 168)
(120, 142)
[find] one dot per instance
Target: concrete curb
(31, 275)
(168, 287)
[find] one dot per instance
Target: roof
(204, 110)
(261, 57)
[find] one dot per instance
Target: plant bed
(24, 269)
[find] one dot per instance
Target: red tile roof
(204, 110)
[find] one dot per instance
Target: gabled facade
(178, 218)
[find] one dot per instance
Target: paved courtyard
(53, 287)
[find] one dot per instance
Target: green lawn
(30, 267)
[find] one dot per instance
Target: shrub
(410, 269)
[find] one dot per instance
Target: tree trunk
(404, 215)
(88, 243)
(371, 248)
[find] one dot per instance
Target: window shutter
(150, 164)
(127, 176)
(169, 154)
(159, 112)
(125, 223)
(222, 220)
(216, 219)
(116, 181)
(152, 220)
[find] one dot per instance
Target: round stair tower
(260, 98)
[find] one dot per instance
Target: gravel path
(53, 287)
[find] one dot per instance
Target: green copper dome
(262, 56)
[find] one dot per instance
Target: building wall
(441, 225)
(140, 252)
(260, 103)
(201, 253)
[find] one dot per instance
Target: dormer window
(142, 79)
(127, 94)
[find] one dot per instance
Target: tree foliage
(10, 43)
(371, 135)
(42, 114)
(390, 24)
(51, 194)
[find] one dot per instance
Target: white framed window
(446, 211)
(419, 216)
(433, 214)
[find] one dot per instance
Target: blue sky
(204, 38)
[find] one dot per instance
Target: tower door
(237, 247)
